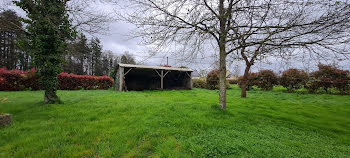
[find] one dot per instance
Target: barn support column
(162, 80)
(121, 78)
(116, 80)
(189, 84)
(162, 75)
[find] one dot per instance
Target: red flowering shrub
(293, 79)
(104, 82)
(31, 80)
(11, 80)
(15, 80)
(75, 82)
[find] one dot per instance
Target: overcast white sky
(117, 41)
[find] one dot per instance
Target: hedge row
(325, 78)
(203, 84)
(199, 83)
(16, 80)
(74, 82)
(211, 82)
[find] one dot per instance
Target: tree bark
(222, 46)
(222, 78)
(245, 82)
(50, 97)
(49, 81)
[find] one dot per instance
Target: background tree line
(84, 56)
(11, 31)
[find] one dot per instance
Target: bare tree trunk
(245, 82)
(222, 78)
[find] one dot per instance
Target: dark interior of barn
(138, 79)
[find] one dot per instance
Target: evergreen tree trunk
(50, 83)
(50, 97)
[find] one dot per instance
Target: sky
(117, 40)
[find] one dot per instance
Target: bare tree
(4, 5)
(85, 14)
(236, 70)
(193, 24)
(275, 28)
(127, 58)
(88, 17)
(247, 28)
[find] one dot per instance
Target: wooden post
(121, 78)
(117, 79)
(191, 84)
(162, 80)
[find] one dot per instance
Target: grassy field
(176, 124)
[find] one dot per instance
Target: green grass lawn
(105, 123)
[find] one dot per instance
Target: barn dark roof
(155, 67)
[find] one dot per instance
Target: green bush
(199, 83)
(213, 80)
(312, 85)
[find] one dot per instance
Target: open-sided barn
(141, 77)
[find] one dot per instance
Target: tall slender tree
(11, 31)
(48, 27)
(107, 62)
(127, 58)
(83, 50)
(95, 57)
(76, 59)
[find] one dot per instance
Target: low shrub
(31, 80)
(293, 79)
(75, 82)
(327, 77)
(11, 80)
(266, 79)
(213, 80)
(15, 80)
(252, 80)
(232, 81)
(312, 85)
(199, 83)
